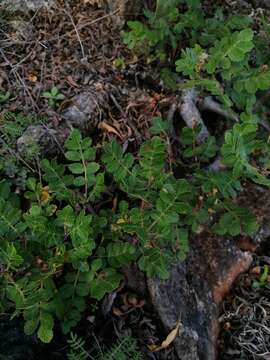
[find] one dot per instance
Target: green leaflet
(159, 126)
(191, 61)
(231, 48)
(223, 181)
(45, 331)
(10, 258)
(254, 81)
(116, 161)
(203, 152)
(152, 159)
(10, 217)
(58, 181)
(84, 169)
(124, 349)
(121, 253)
(153, 262)
(236, 150)
(236, 221)
(105, 282)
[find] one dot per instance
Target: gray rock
(37, 135)
(265, 4)
(84, 110)
(27, 5)
(195, 290)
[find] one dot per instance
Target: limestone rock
(37, 135)
(84, 110)
(194, 292)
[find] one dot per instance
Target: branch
(191, 115)
(209, 104)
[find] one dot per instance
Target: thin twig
(13, 69)
(53, 137)
(77, 32)
(191, 115)
(16, 155)
(98, 19)
(210, 104)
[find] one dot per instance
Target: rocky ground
(75, 46)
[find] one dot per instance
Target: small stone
(37, 135)
(84, 111)
(27, 5)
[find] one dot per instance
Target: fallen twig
(77, 32)
(208, 103)
(191, 115)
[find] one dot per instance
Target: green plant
(119, 63)
(263, 279)
(217, 59)
(66, 238)
(65, 235)
(4, 97)
(54, 96)
(163, 29)
(125, 349)
(13, 165)
(77, 348)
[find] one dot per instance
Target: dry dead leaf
(45, 195)
(104, 126)
(32, 77)
(117, 312)
(169, 339)
(72, 82)
(256, 270)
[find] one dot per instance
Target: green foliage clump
(223, 56)
(218, 57)
(61, 234)
(54, 96)
(125, 349)
(56, 234)
(65, 239)
(13, 165)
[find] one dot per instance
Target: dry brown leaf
(169, 339)
(45, 195)
(104, 126)
(117, 312)
(72, 82)
(256, 270)
(32, 77)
